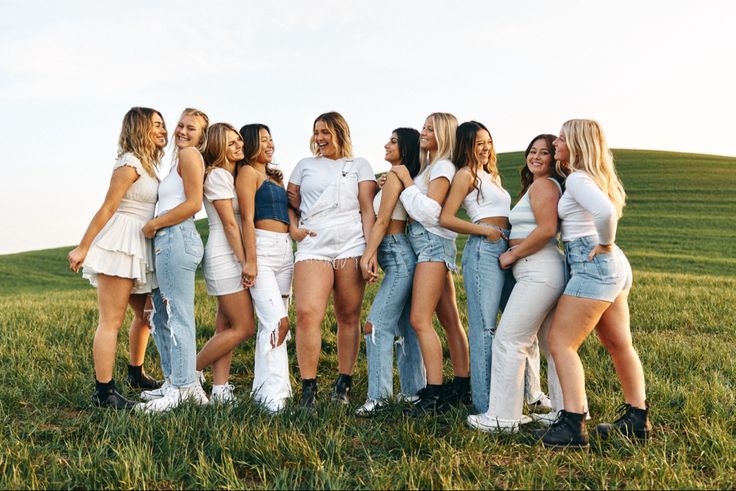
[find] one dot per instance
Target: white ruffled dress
(121, 249)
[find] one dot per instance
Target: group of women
(346, 228)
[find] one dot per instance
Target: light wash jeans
(389, 316)
(178, 250)
(484, 285)
(540, 280)
(270, 294)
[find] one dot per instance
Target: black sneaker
(632, 422)
(568, 431)
(342, 387)
(457, 392)
(106, 396)
(138, 379)
(431, 401)
(309, 393)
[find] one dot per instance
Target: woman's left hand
(600, 249)
(250, 271)
(507, 259)
(150, 229)
(403, 173)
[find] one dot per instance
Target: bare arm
(191, 169)
(246, 187)
(390, 197)
(462, 185)
(122, 178)
(295, 200)
(366, 193)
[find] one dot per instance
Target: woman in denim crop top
(269, 263)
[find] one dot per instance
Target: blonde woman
(434, 246)
(596, 297)
(333, 195)
(178, 250)
(269, 266)
(224, 259)
(116, 257)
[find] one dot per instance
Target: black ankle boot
(458, 392)
(431, 401)
(568, 431)
(632, 422)
(340, 392)
(106, 396)
(138, 379)
(309, 393)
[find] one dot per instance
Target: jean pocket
(606, 267)
(578, 253)
(192, 243)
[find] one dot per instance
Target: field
(678, 232)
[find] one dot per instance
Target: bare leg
(313, 281)
(139, 330)
(457, 339)
(349, 288)
(221, 366)
(429, 282)
(113, 293)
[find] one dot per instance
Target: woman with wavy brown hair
(114, 253)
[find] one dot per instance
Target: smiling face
(188, 132)
(539, 160)
(562, 152)
(325, 141)
(234, 147)
(265, 147)
(158, 134)
(483, 147)
(393, 156)
(427, 139)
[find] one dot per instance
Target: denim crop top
(271, 203)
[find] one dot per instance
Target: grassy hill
(678, 231)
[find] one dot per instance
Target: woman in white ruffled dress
(115, 255)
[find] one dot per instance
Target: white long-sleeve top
(421, 207)
(586, 210)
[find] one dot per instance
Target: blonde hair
(215, 152)
(445, 126)
(589, 152)
(204, 125)
(338, 128)
(135, 137)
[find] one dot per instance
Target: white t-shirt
(586, 210)
(314, 174)
(219, 184)
(422, 208)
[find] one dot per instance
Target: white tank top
(398, 213)
(494, 200)
(171, 191)
(522, 217)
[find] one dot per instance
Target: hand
(369, 268)
(250, 271)
(600, 249)
(76, 257)
(294, 198)
(493, 234)
(283, 331)
(382, 180)
(299, 234)
(403, 173)
(150, 229)
(507, 259)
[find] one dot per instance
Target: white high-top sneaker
(541, 405)
(487, 424)
(370, 407)
(223, 394)
(173, 396)
(150, 395)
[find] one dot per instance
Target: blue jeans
(178, 251)
(484, 287)
(389, 316)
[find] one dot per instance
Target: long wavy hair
(136, 138)
(559, 172)
(204, 122)
(589, 152)
(251, 135)
(340, 131)
(465, 153)
(215, 152)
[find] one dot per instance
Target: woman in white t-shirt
(332, 193)
(436, 252)
(117, 258)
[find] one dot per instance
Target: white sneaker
(546, 419)
(493, 425)
(173, 396)
(541, 405)
(370, 407)
(401, 397)
(150, 395)
(223, 394)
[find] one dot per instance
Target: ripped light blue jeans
(178, 251)
(389, 316)
(484, 287)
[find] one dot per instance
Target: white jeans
(540, 280)
(271, 292)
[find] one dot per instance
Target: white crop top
(492, 201)
(398, 213)
(586, 210)
(422, 208)
(171, 190)
(219, 184)
(522, 217)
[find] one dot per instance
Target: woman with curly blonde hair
(116, 257)
(596, 297)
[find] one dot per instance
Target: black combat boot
(106, 396)
(431, 401)
(340, 392)
(568, 431)
(138, 379)
(309, 393)
(632, 422)
(458, 392)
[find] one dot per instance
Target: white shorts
(334, 240)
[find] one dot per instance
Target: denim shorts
(603, 278)
(431, 247)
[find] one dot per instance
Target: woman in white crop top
(596, 297)
(178, 249)
(389, 315)
(117, 258)
(477, 187)
(539, 271)
(434, 245)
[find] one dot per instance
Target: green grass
(678, 232)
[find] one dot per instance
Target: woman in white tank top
(117, 258)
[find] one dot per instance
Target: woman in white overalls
(332, 194)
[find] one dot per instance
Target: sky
(656, 75)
